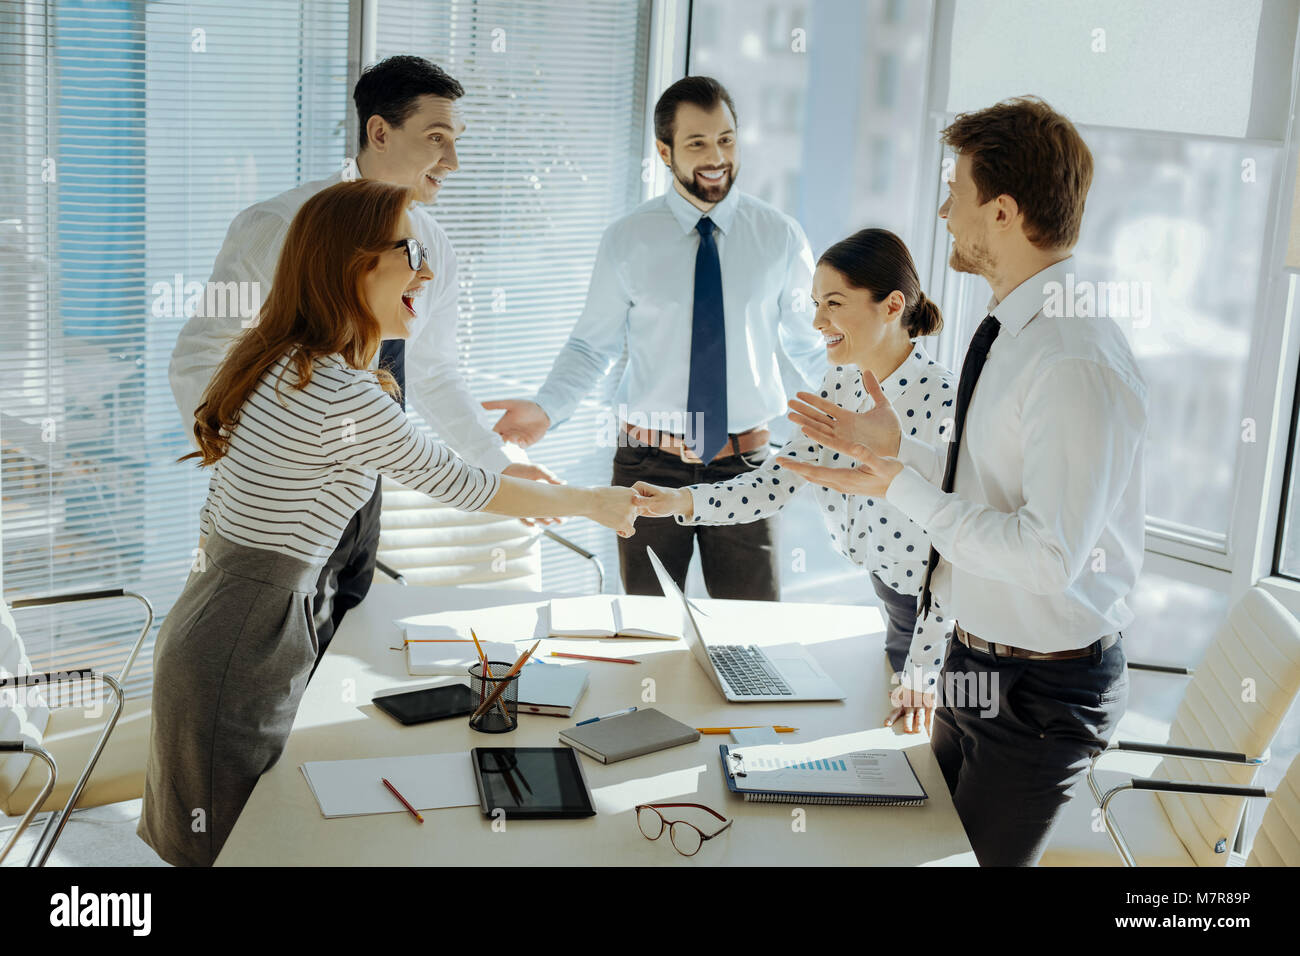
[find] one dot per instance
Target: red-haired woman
(297, 427)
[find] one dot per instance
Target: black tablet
(531, 782)
(431, 703)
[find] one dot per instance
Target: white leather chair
(1278, 841)
(1232, 707)
(423, 541)
(36, 739)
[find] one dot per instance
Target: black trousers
(739, 561)
(1014, 738)
(347, 574)
(900, 622)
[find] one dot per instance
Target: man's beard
(977, 261)
(706, 192)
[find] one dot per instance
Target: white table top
(282, 824)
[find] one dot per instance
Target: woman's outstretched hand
(658, 502)
(820, 419)
(615, 508)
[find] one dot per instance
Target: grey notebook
(629, 735)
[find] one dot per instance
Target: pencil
(415, 813)
(505, 681)
(727, 730)
(587, 657)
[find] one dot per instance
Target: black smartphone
(432, 703)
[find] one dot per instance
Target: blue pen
(592, 720)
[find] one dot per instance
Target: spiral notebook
(808, 773)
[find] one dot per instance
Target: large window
(829, 101)
(1174, 233)
(136, 132)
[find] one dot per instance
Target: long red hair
(315, 307)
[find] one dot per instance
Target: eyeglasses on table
(686, 837)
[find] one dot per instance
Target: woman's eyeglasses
(686, 838)
(416, 253)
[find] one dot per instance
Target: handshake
(618, 507)
(871, 438)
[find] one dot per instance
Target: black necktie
(706, 396)
(970, 373)
(392, 356)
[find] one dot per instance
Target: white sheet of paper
(350, 788)
(748, 737)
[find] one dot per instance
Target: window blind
(138, 131)
(555, 112)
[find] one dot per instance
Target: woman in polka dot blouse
(870, 309)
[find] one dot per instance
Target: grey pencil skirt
(230, 666)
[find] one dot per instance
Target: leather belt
(741, 444)
(1019, 653)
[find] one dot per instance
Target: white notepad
(616, 615)
(351, 788)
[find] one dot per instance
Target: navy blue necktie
(970, 373)
(392, 356)
(706, 399)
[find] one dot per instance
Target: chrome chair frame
(58, 820)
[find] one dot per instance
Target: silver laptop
(747, 673)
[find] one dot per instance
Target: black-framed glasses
(686, 838)
(416, 253)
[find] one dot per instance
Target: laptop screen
(690, 628)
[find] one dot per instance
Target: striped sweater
(302, 462)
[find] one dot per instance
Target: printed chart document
(616, 615)
(786, 773)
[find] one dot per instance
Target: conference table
(281, 825)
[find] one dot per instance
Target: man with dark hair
(408, 126)
(706, 286)
(1036, 513)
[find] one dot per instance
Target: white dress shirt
(434, 386)
(642, 293)
(1041, 540)
(870, 532)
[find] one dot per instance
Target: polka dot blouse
(870, 532)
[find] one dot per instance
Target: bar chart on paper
(809, 769)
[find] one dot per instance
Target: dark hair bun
(924, 319)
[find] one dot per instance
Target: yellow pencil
(727, 730)
(505, 681)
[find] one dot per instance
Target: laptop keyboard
(747, 671)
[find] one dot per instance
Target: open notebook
(616, 615)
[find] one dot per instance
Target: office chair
(1276, 844)
(426, 542)
(1232, 707)
(65, 735)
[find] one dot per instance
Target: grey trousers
(230, 666)
(900, 622)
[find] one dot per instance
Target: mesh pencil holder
(503, 716)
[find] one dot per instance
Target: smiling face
(704, 155)
(420, 153)
(391, 287)
(857, 329)
(968, 222)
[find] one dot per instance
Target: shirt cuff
(696, 500)
(919, 454)
(551, 405)
(914, 496)
(500, 457)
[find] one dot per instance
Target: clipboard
(769, 776)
